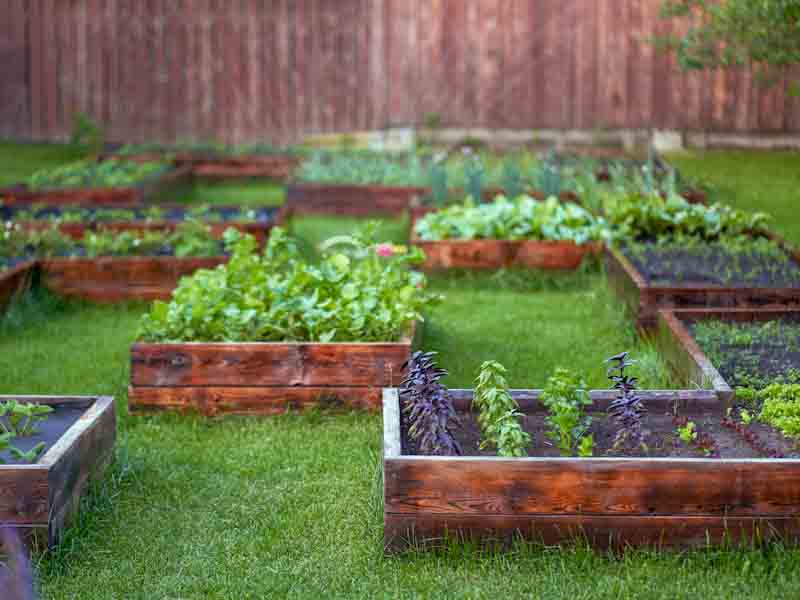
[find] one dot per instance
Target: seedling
(687, 432)
(31, 456)
(20, 419)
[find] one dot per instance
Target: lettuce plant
(92, 174)
(781, 408)
(428, 407)
(627, 409)
(359, 291)
(499, 415)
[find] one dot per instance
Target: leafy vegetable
(361, 291)
(519, 219)
(781, 408)
(429, 407)
(20, 418)
(565, 397)
(91, 174)
(499, 415)
(627, 408)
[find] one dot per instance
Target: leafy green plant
(549, 177)
(438, 183)
(520, 219)
(92, 174)
(360, 291)
(499, 415)
(20, 418)
(474, 174)
(781, 408)
(565, 398)
(513, 185)
(687, 432)
(363, 167)
(87, 133)
(30, 456)
(428, 407)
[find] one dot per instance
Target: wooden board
(120, 279)
(676, 502)
(263, 378)
(350, 200)
(645, 300)
(683, 355)
(45, 496)
(15, 281)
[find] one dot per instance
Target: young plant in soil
(499, 415)
(92, 174)
(691, 435)
(565, 398)
(627, 409)
(428, 406)
(17, 420)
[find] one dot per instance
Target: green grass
(291, 507)
(754, 181)
(18, 161)
(256, 192)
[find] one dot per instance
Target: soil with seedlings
(660, 435)
(751, 354)
(171, 213)
(49, 431)
(714, 265)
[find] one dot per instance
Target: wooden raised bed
(609, 502)
(645, 300)
(280, 167)
(683, 355)
(120, 279)
(43, 498)
(351, 200)
(15, 281)
(117, 197)
(263, 378)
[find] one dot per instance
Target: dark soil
(752, 354)
(713, 265)
(49, 431)
(661, 438)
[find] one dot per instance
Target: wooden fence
(245, 70)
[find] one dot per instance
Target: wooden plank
(268, 364)
(262, 401)
(392, 446)
(592, 486)
(402, 531)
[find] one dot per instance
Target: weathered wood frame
(120, 197)
(264, 378)
(351, 200)
(15, 281)
(609, 502)
(44, 498)
(683, 355)
(645, 300)
(120, 279)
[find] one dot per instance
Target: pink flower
(384, 250)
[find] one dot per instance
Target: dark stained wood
(644, 300)
(46, 496)
(683, 355)
(120, 279)
(264, 378)
(609, 502)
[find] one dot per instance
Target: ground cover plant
(360, 291)
(303, 492)
(521, 218)
(207, 149)
(92, 174)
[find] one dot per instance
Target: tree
(723, 33)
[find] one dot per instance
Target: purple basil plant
(428, 407)
(627, 408)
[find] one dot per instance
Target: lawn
(290, 507)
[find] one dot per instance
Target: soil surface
(661, 439)
(712, 266)
(48, 431)
(751, 354)
(92, 215)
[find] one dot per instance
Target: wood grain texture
(120, 279)
(243, 71)
(46, 495)
(350, 200)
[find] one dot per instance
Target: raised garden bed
(280, 167)
(15, 281)
(263, 378)
(352, 200)
(120, 279)
(672, 497)
(43, 498)
(129, 196)
(645, 294)
(771, 357)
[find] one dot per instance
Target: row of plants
(358, 291)
(92, 174)
(20, 421)
(190, 238)
(207, 149)
(521, 218)
(571, 426)
(146, 214)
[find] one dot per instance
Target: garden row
(269, 332)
